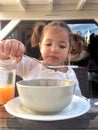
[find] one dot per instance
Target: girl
(55, 43)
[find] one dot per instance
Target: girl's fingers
(16, 59)
(7, 48)
(20, 50)
(2, 46)
(2, 53)
(11, 48)
(14, 48)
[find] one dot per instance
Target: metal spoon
(55, 66)
(63, 66)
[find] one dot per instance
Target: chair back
(82, 76)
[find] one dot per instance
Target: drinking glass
(7, 83)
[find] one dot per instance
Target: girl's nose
(54, 48)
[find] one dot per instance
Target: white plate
(78, 107)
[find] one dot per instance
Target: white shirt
(29, 69)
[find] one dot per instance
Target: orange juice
(6, 93)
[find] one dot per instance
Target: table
(88, 121)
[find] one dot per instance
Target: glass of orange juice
(7, 83)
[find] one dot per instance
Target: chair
(82, 76)
(17, 79)
(94, 82)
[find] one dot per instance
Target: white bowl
(46, 95)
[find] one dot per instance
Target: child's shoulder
(71, 71)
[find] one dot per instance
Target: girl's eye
(48, 44)
(62, 46)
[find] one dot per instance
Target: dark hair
(37, 30)
(78, 44)
(41, 27)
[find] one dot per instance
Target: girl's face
(55, 47)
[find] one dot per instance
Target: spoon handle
(53, 67)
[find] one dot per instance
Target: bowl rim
(19, 83)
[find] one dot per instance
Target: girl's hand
(11, 48)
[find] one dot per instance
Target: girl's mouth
(53, 57)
